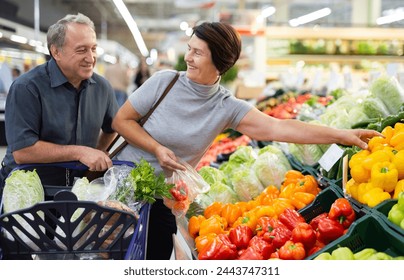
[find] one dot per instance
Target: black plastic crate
(368, 232)
(383, 209)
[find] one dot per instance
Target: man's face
(78, 56)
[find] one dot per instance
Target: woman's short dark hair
(224, 43)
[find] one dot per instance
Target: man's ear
(55, 52)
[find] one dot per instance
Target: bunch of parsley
(143, 185)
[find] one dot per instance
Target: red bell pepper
(304, 234)
(267, 224)
(328, 230)
(219, 248)
(278, 236)
(290, 218)
(250, 254)
(179, 191)
(314, 221)
(341, 210)
(262, 246)
(241, 236)
(292, 251)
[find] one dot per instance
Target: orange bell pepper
(302, 199)
(215, 224)
(231, 212)
(214, 209)
(292, 176)
(194, 225)
(202, 240)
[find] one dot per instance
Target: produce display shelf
(382, 211)
(368, 231)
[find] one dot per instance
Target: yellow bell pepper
(377, 143)
(388, 132)
(375, 157)
(357, 158)
(359, 173)
(384, 175)
(399, 188)
(351, 188)
(398, 161)
(397, 138)
(374, 196)
(363, 188)
(399, 126)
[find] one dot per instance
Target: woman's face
(78, 55)
(200, 67)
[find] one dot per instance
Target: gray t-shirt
(187, 120)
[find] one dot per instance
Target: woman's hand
(167, 159)
(358, 137)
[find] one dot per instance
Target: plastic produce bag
(187, 185)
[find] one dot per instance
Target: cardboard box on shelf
(246, 92)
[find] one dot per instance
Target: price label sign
(330, 157)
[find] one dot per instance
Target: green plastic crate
(368, 232)
(322, 203)
(383, 209)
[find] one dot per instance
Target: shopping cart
(65, 228)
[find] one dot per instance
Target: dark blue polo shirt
(43, 105)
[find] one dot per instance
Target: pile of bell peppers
(396, 213)
(345, 253)
(377, 174)
(284, 236)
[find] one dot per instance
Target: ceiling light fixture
(390, 18)
(130, 22)
(310, 17)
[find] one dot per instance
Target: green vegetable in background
(389, 91)
(395, 215)
(342, 253)
(365, 254)
(380, 256)
(323, 256)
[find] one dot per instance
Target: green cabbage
(22, 189)
(373, 107)
(222, 193)
(308, 154)
(271, 166)
(212, 175)
(389, 91)
(246, 183)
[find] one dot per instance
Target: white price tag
(330, 157)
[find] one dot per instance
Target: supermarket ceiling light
(268, 11)
(130, 22)
(310, 17)
(18, 39)
(390, 18)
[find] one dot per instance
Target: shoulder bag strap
(144, 118)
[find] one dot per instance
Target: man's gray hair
(57, 32)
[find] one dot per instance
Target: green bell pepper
(323, 256)
(342, 253)
(365, 254)
(395, 215)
